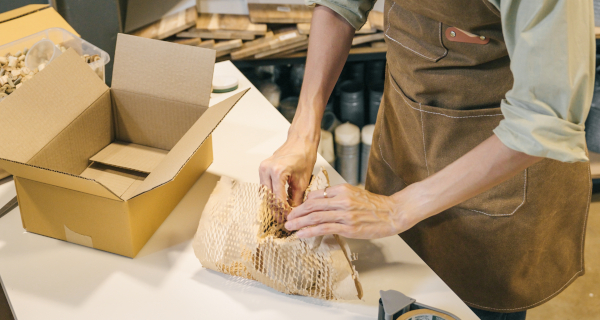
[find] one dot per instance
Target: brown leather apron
(515, 246)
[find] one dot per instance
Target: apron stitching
(381, 150)
(572, 278)
(586, 215)
(445, 115)
(418, 53)
(508, 214)
(441, 114)
(531, 305)
(424, 149)
(442, 44)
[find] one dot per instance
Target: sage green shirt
(552, 49)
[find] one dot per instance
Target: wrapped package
(241, 233)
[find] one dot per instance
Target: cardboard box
(103, 167)
(25, 21)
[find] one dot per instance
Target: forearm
(484, 167)
(329, 43)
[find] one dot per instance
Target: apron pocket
(447, 135)
(415, 33)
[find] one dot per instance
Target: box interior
(116, 137)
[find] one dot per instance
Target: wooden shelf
(366, 53)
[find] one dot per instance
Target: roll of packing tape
(424, 314)
(222, 84)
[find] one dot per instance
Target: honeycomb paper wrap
(241, 233)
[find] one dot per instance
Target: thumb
(279, 187)
(296, 190)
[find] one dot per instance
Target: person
(479, 157)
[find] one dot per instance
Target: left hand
(351, 212)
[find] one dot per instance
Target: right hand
(292, 163)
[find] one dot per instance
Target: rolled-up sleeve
(552, 50)
(354, 11)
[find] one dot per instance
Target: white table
(52, 279)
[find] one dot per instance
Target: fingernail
(300, 234)
(288, 226)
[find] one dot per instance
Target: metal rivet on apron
(482, 37)
(452, 34)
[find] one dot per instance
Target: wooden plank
(366, 39)
(224, 48)
(169, 25)
(275, 42)
(376, 20)
(224, 53)
(197, 42)
(378, 44)
(304, 28)
(207, 44)
(188, 41)
(288, 52)
(220, 35)
(358, 50)
(364, 50)
(301, 52)
(285, 48)
(229, 22)
(367, 28)
(228, 45)
(279, 13)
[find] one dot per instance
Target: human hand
(353, 213)
(292, 163)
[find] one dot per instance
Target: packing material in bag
(241, 233)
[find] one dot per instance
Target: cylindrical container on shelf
(271, 91)
(375, 71)
(271, 72)
(330, 104)
(329, 122)
(326, 148)
(337, 90)
(375, 95)
(296, 77)
(352, 103)
(357, 72)
(288, 108)
(367, 140)
(347, 150)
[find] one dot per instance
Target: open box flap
(34, 115)
(162, 69)
(19, 12)
(58, 179)
(168, 169)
